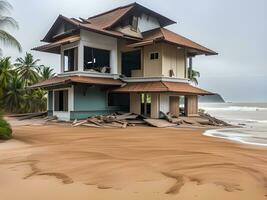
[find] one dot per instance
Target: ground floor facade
(81, 101)
(79, 97)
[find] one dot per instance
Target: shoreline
(218, 133)
(62, 162)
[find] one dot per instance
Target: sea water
(252, 117)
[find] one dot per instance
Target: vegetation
(15, 96)
(6, 21)
(5, 129)
(193, 75)
(15, 79)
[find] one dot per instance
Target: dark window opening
(130, 61)
(61, 100)
(96, 60)
(154, 56)
(71, 59)
(118, 99)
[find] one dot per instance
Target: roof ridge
(109, 11)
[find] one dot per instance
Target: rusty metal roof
(161, 86)
(163, 34)
(77, 79)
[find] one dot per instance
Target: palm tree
(193, 76)
(14, 96)
(46, 72)
(6, 72)
(5, 37)
(27, 69)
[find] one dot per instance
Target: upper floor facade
(129, 41)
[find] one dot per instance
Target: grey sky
(237, 30)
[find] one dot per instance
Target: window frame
(75, 58)
(152, 56)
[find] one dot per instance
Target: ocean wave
(230, 134)
(236, 108)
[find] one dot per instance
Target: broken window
(71, 59)
(96, 60)
(61, 100)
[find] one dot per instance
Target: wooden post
(175, 106)
(191, 105)
(154, 105)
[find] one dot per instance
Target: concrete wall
(99, 41)
(90, 101)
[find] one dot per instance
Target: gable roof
(108, 19)
(162, 34)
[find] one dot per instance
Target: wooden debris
(213, 120)
(32, 115)
(79, 123)
(160, 123)
(122, 120)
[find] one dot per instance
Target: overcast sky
(237, 30)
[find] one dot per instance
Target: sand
(62, 162)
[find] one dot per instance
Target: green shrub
(5, 130)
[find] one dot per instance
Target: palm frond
(8, 39)
(8, 21)
(5, 6)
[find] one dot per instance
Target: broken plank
(160, 123)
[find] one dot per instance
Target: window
(154, 56)
(71, 59)
(134, 23)
(61, 100)
(96, 59)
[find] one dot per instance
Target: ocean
(252, 117)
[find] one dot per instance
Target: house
(120, 60)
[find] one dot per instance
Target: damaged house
(120, 60)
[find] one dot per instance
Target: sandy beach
(58, 161)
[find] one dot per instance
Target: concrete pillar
(135, 103)
(191, 105)
(154, 105)
(80, 56)
(174, 106)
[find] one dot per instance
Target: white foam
(235, 108)
(231, 135)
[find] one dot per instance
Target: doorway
(130, 61)
(146, 104)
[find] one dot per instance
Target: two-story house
(120, 60)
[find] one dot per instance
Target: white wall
(64, 115)
(146, 23)
(99, 41)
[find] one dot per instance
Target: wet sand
(63, 162)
